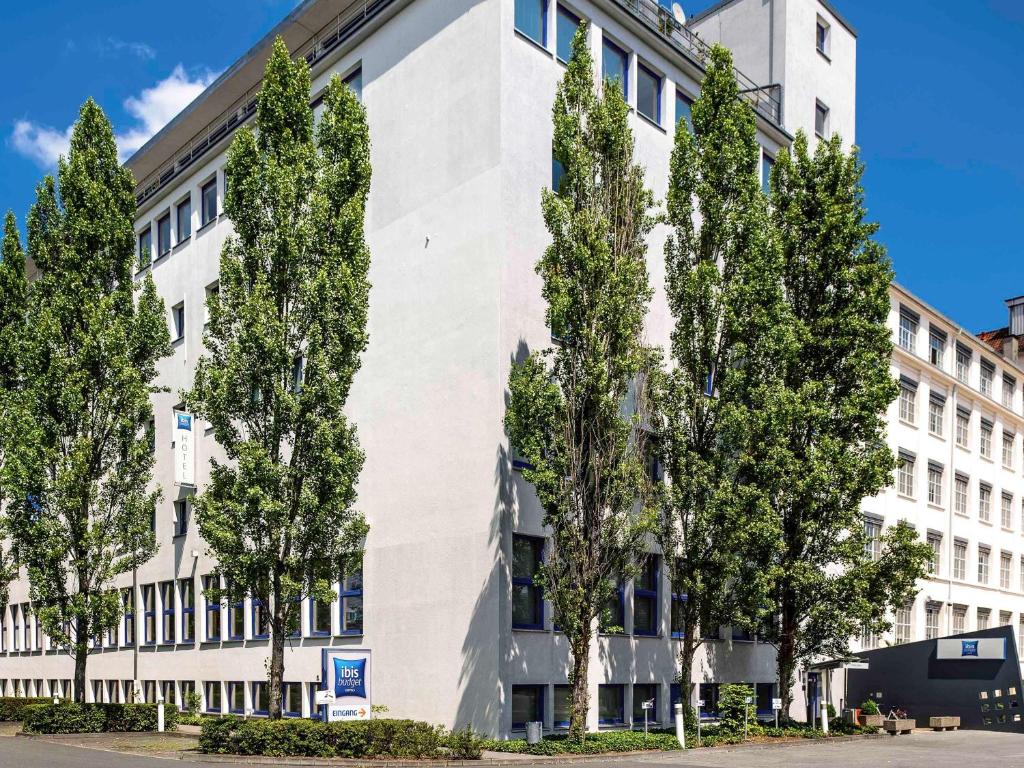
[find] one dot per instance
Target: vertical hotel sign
(184, 449)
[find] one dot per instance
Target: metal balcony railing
(765, 99)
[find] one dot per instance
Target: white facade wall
(459, 112)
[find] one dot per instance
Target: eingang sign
(346, 684)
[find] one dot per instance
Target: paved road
(920, 750)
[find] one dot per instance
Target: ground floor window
(765, 692)
(709, 695)
(260, 698)
(149, 691)
(645, 692)
(527, 704)
(610, 705)
(292, 699)
(188, 690)
(236, 698)
(563, 706)
(213, 703)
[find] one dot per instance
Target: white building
(458, 94)
(957, 427)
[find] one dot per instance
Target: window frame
(564, 14)
(609, 46)
(528, 583)
(128, 602)
(620, 718)
(529, 35)
(181, 517)
(348, 593)
(149, 614)
(212, 606)
(144, 253)
(184, 204)
(821, 109)
(658, 82)
(188, 610)
(168, 588)
(652, 563)
(206, 217)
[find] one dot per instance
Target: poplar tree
(568, 414)
(723, 283)
(79, 463)
(826, 586)
(283, 344)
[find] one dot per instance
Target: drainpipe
(135, 633)
(771, 42)
(950, 504)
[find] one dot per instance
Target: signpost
(746, 713)
(776, 706)
(346, 678)
(647, 706)
(700, 705)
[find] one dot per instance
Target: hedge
(312, 738)
(13, 709)
(71, 717)
(593, 743)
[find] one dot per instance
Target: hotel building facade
(458, 95)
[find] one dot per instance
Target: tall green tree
(826, 587)
(724, 289)
(79, 464)
(13, 298)
(568, 414)
(284, 342)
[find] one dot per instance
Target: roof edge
(721, 4)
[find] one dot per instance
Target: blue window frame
(180, 505)
(527, 705)
(187, 688)
(167, 606)
(566, 24)
(742, 635)
(212, 608)
(645, 692)
(236, 619)
(351, 603)
(675, 696)
(149, 614)
(163, 235)
(128, 608)
(709, 695)
(208, 197)
(260, 620)
(557, 174)
(16, 623)
(184, 217)
(527, 596)
(648, 93)
(355, 82)
(260, 698)
(765, 692)
(767, 163)
(291, 699)
(145, 247)
(684, 110)
(532, 20)
(319, 618)
(613, 617)
(611, 705)
(295, 614)
(187, 594)
(678, 625)
(562, 706)
(615, 65)
(236, 698)
(645, 597)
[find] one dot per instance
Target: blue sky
(939, 115)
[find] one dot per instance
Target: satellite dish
(677, 11)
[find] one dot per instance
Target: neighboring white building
(957, 429)
(459, 95)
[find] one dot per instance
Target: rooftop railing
(765, 99)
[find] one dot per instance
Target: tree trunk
(277, 633)
(580, 704)
(786, 661)
(81, 656)
(686, 654)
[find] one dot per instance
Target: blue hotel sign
(346, 684)
(971, 649)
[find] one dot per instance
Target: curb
(73, 737)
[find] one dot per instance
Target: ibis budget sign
(973, 649)
(346, 684)
(184, 449)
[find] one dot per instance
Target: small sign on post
(776, 706)
(646, 706)
(700, 706)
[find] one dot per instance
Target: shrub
(869, 707)
(193, 701)
(72, 717)
(732, 702)
(465, 745)
(13, 709)
(594, 743)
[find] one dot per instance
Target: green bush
(13, 709)
(464, 744)
(311, 738)
(71, 717)
(869, 707)
(594, 743)
(731, 705)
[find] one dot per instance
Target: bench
(896, 726)
(944, 723)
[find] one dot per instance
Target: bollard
(160, 714)
(824, 717)
(680, 728)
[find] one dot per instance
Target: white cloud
(152, 109)
(113, 46)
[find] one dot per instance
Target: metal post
(160, 714)
(645, 722)
(698, 723)
(680, 727)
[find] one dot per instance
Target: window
(959, 559)
(319, 617)
(128, 605)
(908, 400)
(211, 582)
(610, 708)
(908, 329)
(163, 235)
(645, 692)
(936, 413)
(767, 164)
(763, 694)
(1004, 618)
(963, 363)
(820, 119)
(959, 619)
(615, 65)
(213, 703)
(292, 699)
(352, 603)
(678, 627)
(1005, 561)
(872, 538)
(167, 691)
(236, 618)
(187, 688)
(1007, 449)
(178, 316)
(709, 693)
(209, 199)
(983, 617)
(1022, 577)
(935, 483)
(984, 502)
(167, 603)
(902, 624)
(527, 596)
(988, 375)
(260, 698)
(684, 110)
(985, 445)
(187, 592)
(260, 619)
(936, 347)
(963, 427)
(648, 93)
(931, 620)
(298, 374)
(353, 81)
(181, 517)
(145, 248)
(566, 24)
(527, 705)
(212, 296)
(562, 706)
(1006, 511)
(236, 698)
(1009, 388)
(149, 614)
(613, 617)
(645, 597)
(983, 558)
(905, 474)
(184, 214)
(935, 542)
(960, 495)
(532, 20)
(822, 37)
